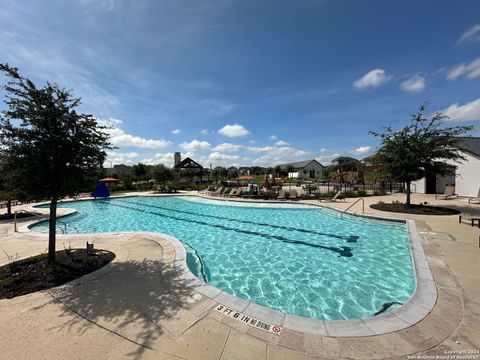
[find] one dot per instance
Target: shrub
(362, 193)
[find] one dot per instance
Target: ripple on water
(290, 258)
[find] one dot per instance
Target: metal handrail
(22, 211)
(363, 207)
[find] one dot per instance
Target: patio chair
(281, 194)
(475, 200)
(337, 196)
(449, 193)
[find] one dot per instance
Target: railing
(25, 212)
(363, 207)
(37, 215)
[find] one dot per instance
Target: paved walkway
(138, 308)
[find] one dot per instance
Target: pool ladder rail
(348, 208)
(15, 229)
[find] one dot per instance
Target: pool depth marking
(249, 320)
(344, 251)
(350, 239)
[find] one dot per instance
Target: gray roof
(299, 164)
(470, 145)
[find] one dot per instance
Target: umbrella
(246, 177)
(108, 180)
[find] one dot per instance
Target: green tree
(162, 174)
(420, 148)
(140, 170)
(232, 172)
(48, 150)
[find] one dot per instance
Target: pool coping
(411, 312)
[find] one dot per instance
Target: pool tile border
(420, 304)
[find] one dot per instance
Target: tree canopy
(48, 150)
(419, 148)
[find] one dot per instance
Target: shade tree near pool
(48, 150)
(419, 148)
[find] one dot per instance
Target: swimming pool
(301, 260)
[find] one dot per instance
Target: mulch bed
(34, 273)
(415, 209)
(10, 217)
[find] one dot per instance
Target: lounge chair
(217, 192)
(207, 190)
(281, 194)
(475, 200)
(337, 196)
(226, 192)
(449, 193)
(234, 192)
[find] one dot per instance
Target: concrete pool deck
(138, 307)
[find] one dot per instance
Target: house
(467, 174)
(307, 169)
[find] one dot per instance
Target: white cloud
(204, 132)
(117, 158)
(281, 143)
(234, 130)
(472, 34)
(164, 158)
(195, 145)
(323, 150)
(372, 79)
(227, 147)
(273, 137)
(219, 156)
(470, 70)
(176, 131)
(362, 149)
(119, 137)
(256, 149)
(279, 155)
(414, 84)
(327, 158)
(469, 111)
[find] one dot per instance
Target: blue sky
(250, 82)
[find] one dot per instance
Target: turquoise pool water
(301, 260)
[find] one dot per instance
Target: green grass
(7, 282)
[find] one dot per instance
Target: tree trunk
(9, 208)
(408, 194)
(52, 230)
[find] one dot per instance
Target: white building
(308, 169)
(467, 174)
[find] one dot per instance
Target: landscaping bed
(420, 209)
(21, 277)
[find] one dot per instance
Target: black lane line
(350, 239)
(386, 306)
(344, 251)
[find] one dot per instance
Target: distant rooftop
(470, 145)
(298, 164)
